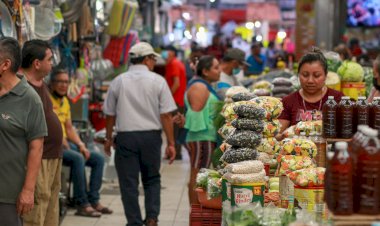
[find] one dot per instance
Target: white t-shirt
(137, 98)
(232, 80)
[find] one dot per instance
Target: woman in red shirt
(306, 104)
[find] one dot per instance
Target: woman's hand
(179, 120)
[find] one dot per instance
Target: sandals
(87, 213)
(102, 209)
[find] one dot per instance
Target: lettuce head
(351, 72)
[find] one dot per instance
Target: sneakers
(151, 222)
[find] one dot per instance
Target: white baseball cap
(142, 49)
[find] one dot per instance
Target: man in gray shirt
(22, 132)
(140, 103)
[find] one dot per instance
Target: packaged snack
(309, 177)
(261, 92)
(289, 132)
(269, 145)
(282, 89)
(281, 81)
(235, 90)
(262, 85)
(226, 130)
(250, 111)
(233, 155)
(224, 146)
(245, 167)
(308, 126)
(245, 178)
(271, 128)
(244, 138)
(290, 163)
(298, 147)
(272, 105)
(243, 97)
(264, 158)
(248, 124)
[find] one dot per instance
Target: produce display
(244, 167)
(226, 130)
(245, 178)
(243, 97)
(282, 87)
(232, 91)
(289, 132)
(269, 145)
(271, 128)
(273, 106)
(350, 71)
(250, 111)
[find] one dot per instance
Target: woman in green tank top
(200, 101)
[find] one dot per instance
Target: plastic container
(321, 144)
(367, 181)
(243, 194)
(308, 198)
(329, 111)
(345, 116)
(201, 216)
(353, 89)
(286, 191)
(215, 203)
(361, 113)
(339, 193)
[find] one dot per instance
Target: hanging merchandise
(100, 67)
(44, 23)
(7, 28)
(121, 17)
(86, 25)
(118, 48)
(71, 10)
(27, 30)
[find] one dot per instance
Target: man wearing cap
(175, 75)
(232, 63)
(140, 104)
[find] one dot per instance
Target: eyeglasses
(62, 82)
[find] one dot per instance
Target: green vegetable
(214, 188)
(351, 72)
(203, 175)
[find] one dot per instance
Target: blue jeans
(139, 152)
(74, 159)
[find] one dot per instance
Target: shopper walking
(75, 154)
(22, 132)
(36, 65)
(175, 75)
(140, 103)
(201, 102)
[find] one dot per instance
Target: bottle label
(347, 123)
(329, 120)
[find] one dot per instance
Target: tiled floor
(174, 199)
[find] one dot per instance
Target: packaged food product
(244, 138)
(269, 145)
(290, 163)
(224, 146)
(243, 97)
(233, 155)
(308, 177)
(289, 132)
(264, 157)
(261, 92)
(250, 111)
(282, 89)
(308, 126)
(226, 130)
(245, 167)
(262, 85)
(245, 178)
(281, 81)
(298, 147)
(272, 105)
(235, 90)
(248, 124)
(271, 128)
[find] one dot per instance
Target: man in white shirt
(139, 103)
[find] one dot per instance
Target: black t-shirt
(53, 141)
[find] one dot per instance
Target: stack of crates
(200, 216)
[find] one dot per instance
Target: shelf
(332, 140)
(356, 219)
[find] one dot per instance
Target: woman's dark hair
(205, 62)
(315, 55)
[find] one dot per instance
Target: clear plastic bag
(214, 187)
(244, 167)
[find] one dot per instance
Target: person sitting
(75, 153)
(306, 104)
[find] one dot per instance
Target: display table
(355, 220)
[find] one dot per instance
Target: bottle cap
(330, 155)
(345, 97)
(361, 127)
(370, 132)
(303, 133)
(361, 98)
(376, 98)
(330, 97)
(341, 145)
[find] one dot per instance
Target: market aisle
(174, 201)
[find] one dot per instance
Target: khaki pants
(46, 208)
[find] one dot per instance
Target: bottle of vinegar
(329, 111)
